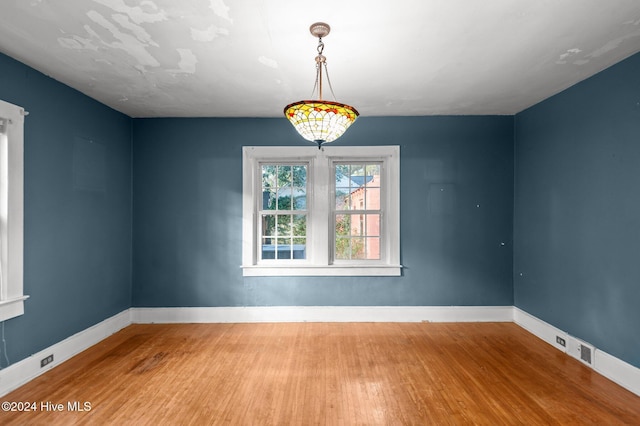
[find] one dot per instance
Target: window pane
(283, 225)
(284, 176)
(283, 249)
(342, 175)
(300, 225)
(268, 225)
(372, 198)
(372, 225)
(342, 198)
(284, 190)
(343, 224)
(268, 249)
(300, 199)
(299, 187)
(343, 250)
(268, 187)
(284, 199)
(357, 170)
(372, 187)
(268, 177)
(343, 229)
(373, 170)
(358, 248)
(268, 200)
(300, 176)
(299, 248)
(372, 248)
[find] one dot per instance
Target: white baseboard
(324, 314)
(21, 372)
(614, 369)
(539, 328)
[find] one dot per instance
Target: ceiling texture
(249, 58)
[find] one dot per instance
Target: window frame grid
(260, 212)
(366, 211)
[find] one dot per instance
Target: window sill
(12, 308)
(321, 271)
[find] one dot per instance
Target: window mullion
(391, 195)
(319, 211)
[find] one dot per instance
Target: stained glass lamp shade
(320, 121)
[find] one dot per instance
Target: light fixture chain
(315, 85)
(326, 71)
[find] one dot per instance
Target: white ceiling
(226, 58)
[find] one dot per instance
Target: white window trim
(318, 262)
(12, 212)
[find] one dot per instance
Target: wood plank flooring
(324, 374)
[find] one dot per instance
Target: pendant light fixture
(318, 120)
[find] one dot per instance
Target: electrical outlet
(561, 341)
(45, 361)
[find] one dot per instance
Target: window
(11, 210)
(283, 214)
(357, 211)
(333, 211)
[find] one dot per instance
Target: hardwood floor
(324, 373)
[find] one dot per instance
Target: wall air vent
(585, 354)
(580, 350)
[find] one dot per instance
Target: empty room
(294, 213)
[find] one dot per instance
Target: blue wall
(456, 214)
(577, 210)
(77, 264)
